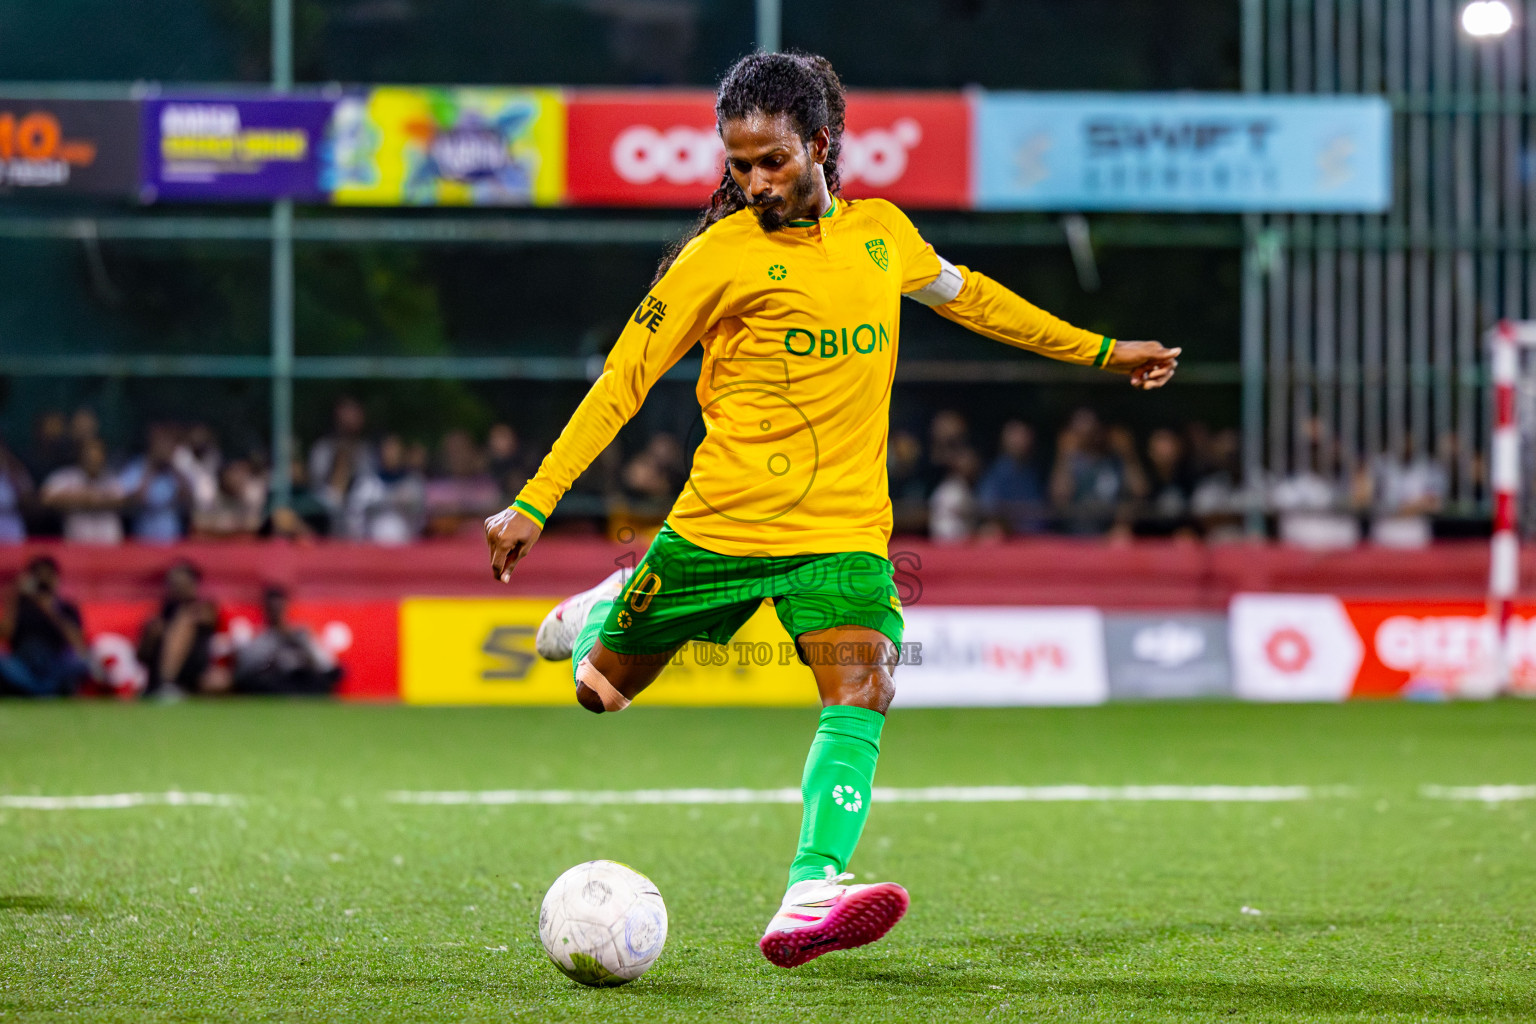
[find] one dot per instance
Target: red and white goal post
(1512, 344)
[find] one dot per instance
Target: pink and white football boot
(558, 632)
(821, 917)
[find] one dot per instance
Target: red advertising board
(661, 149)
(364, 636)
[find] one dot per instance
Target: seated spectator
(346, 492)
(198, 459)
(1012, 494)
(654, 477)
(394, 510)
(1403, 490)
(176, 645)
(282, 658)
(88, 498)
(952, 508)
(1088, 482)
(348, 439)
(157, 496)
(1219, 500)
(1170, 488)
(907, 481)
(48, 654)
(51, 445)
(464, 493)
(505, 460)
(84, 427)
(16, 495)
(236, 507)
(948, 436)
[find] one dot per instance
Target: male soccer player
(794, 294)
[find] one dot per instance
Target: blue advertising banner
(1182, 152)
(223, 148)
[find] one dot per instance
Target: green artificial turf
(314, 899)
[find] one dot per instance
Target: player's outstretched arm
(510, 534)
(1149, 363)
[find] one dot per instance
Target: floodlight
(1485, 19)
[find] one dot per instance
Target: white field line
(1486, 794)
(116, 801)
(927, 795)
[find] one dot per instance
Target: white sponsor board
(1293, 647)
(1004, 656)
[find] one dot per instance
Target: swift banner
(637, 148)
(398, 146)
(223, 148)
(82, 147)
(1182, 152)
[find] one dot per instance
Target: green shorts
(681, 592)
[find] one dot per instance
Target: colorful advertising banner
(969, 657)
(399, 146)
(211, 148)
(1182, 152)
(82, 147)
(480, 651)
(635, 148)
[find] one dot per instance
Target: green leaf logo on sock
(848, 798)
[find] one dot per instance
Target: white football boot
(558, 632)
(821, 917)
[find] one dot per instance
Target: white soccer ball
(603, 923)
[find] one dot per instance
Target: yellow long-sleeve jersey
(800, 333)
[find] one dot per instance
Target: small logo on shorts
(625, 620)
(848, 798)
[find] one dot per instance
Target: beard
(772, 215)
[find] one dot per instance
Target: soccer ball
(603, 923)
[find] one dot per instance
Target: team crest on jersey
(876, 249)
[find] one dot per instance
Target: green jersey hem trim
(533, 513)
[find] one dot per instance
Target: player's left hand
(1148, 363)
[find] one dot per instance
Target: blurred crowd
(187, 645)
(1092, 479)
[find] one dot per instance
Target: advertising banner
(480, 651)
(1152, 657)
(634, 148)
(1293, 647)
(1182, 152)
(81, 147)
(213, 148)
(1003, 656)
(1432, 648)
(363, 636)
(400, 146)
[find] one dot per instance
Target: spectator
(16, 495)
(88, 497)
(1218, 500)
(51, 446)
(505, 461)
(236, 507)
(346, 441)
(464, 493)
(176, 645)
(199, 460)
(1312, 507)
(1403, 491)
(908, 489)
(952, 508)
(1088, 482)
(948, 436)
(84, 427)
(397, 510)
(48, 654)
(282, 658)
(656, 475)
(1170, 487)
(1012, 494)
(156, 495)
(346, 493)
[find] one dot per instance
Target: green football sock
(587, 639)
(839, 774)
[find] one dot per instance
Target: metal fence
(1363, 334)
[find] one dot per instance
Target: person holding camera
(48, 654)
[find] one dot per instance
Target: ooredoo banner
(661, 149)
(405, 146)
(221, 148)
(1003, 656)
(1293, 647)
(82, 147)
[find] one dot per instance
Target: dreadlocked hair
(802, 85)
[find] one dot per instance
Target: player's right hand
(509, 534)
